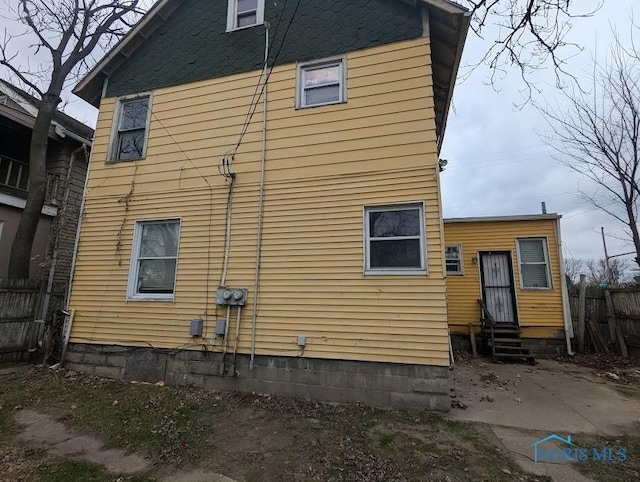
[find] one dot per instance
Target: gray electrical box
(231, 296)
(220, 325)
(196, 327)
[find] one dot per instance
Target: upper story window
(14, 173)
(244, 13)
(534, 263)
(453, 258)
(131, 128)
(395, 239)
(154, 259)
(321, 83)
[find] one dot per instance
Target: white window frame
(232, 15)
(422, 270)
(460, 272)
(134, 267)
(545, 249)
(115, 127)
(302, 67)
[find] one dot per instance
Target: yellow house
(263, 209)
(513, 264)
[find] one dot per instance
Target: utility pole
(606, 256)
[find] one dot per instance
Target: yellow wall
(323, 165)
(540, 312)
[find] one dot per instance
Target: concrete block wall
(394, 385)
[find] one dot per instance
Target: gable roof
(447, 24)
(63, 124)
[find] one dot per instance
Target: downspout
(256, 281)
(566, 308)
(69, 321)
(54, 259)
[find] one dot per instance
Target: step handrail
(485, 315)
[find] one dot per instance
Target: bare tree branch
(69, 31)
(531, 36)
(598, 136)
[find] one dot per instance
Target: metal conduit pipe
(256, 280)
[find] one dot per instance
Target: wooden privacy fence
(21, 303)
(623, 313)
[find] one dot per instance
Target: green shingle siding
(193, 45)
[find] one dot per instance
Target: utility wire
(254, 106)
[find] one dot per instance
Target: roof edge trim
(521, 217)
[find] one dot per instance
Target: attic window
(244, 13)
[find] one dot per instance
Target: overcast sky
(497, 162)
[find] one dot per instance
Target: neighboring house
(69, 141)
(332, 215)
(513, 263)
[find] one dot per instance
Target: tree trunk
(25, 235)
(634, 232)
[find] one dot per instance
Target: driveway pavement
(524, 403)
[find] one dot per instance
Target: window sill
(118, 161)
(536, 289)
(229, 30)
(150, 298)
(457, 273)
(390, 272)
(303, 107)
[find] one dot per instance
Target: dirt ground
(58, 426)
(190, 435)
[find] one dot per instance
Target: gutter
(466, 21)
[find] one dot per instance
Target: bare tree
(618, 270)
(573, 268)
(598, 136)
(531, 35)
(68, 31)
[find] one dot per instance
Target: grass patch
(386, 440)
(609, 471)
(66, 470)
(146, 418)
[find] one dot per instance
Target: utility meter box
(231, 296)
(196, 327)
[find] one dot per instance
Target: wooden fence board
(20, 306)
(626, 307)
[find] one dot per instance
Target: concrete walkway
(525, 403)
(43, 429)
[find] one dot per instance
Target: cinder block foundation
(394, 385)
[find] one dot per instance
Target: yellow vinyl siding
(323, 165)
(540, 311)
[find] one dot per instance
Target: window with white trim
(154, 259)
(453, 258)
(131, 128)
(321, 83)
(533, 256)
(244, 13)
(395, 239)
